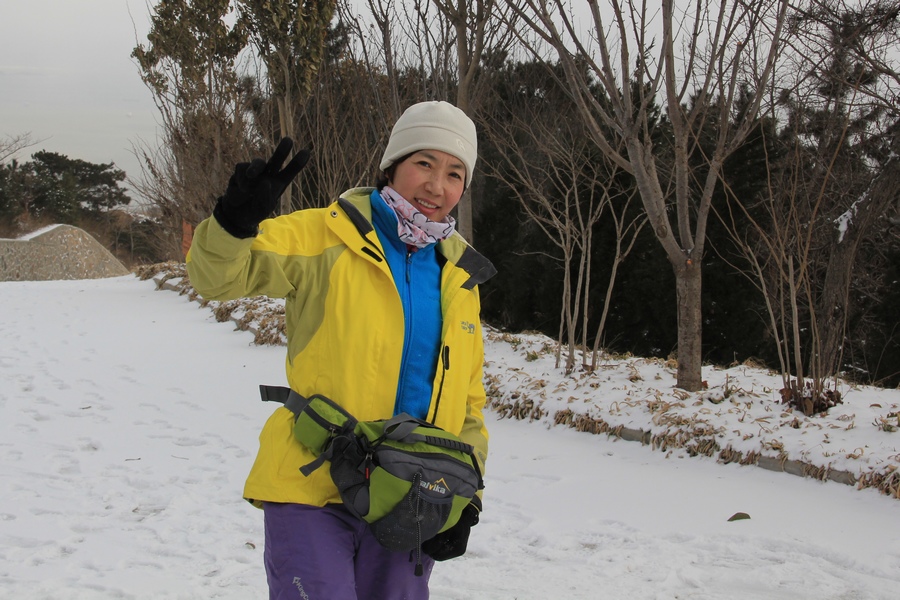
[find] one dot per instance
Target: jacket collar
(358, 207)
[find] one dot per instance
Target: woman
(382, 316)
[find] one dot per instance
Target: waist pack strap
(318, 462)
(292, 401)
(295, 403)
(450, 444)
(401, 427)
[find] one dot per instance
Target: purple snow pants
(326, 553)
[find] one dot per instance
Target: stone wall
(57, 252)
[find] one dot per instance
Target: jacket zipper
(407, 333)
(445, 365)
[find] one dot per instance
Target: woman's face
(432, 181)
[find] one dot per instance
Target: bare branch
(12, 144)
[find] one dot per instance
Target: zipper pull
(419, 569)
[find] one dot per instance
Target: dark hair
(385, 176)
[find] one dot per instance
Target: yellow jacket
(344, 322)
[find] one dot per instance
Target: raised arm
(220, 263)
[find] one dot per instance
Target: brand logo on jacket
(468, 327)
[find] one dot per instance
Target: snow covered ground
(128, 420)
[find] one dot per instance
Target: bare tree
(431, 50)
(563, 184)
(476, 26)
(834, 176)
(342, 118)
(627, 230)
(564, 192)
(692, 58)
(289, 37)
(859, 39)
(189, 67)
(11, 144)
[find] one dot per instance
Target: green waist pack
(408, 479)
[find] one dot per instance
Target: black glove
(452, 543)
(254, 189)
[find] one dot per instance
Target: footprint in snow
(189, 442)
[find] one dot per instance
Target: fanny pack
(408, 479)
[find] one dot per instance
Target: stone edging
(888, 484)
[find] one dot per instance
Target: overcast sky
(67, 78)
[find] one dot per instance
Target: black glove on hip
(254, 189)
(452, 543)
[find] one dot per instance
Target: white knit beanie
(434, 125)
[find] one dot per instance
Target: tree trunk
(286, 126)
(833, 310)
(833, 306)
(464, 217)
(464, 211)
(688, 287)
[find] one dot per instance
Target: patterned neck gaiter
(413, 227)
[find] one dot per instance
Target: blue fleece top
(417, 276)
